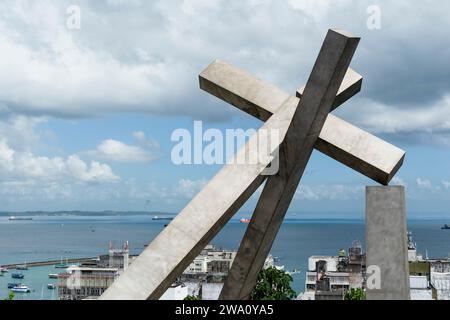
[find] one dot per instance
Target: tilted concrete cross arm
(338, 139)
(171, 252)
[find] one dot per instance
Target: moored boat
(51, 286)
(53, 276)
(22, 267)
(17, 276)
(62, 265)
(21, 288)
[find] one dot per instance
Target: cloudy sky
(86, 114)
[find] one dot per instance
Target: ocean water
(55, 238)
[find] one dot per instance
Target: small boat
(446, 227)
(293, 272)
(11, 285)
(3, 270)
(244, 220)
(22, 267)
(17, 276)
(21, 288)
(53, 276)
(51, 286)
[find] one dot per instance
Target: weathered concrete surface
(317, 100)
(386, 241)
(350, 86)
(170, 253)
(338, 139)
(359, 150)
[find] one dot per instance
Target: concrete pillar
(386, 243)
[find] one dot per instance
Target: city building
(204, 277)
(79, 283)
(176, 292)
(212, 260)
(92, 278)
(116, 258)
(330, 277)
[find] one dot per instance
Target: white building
(420, 288)
(176, 292)
(78, 283)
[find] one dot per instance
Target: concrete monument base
(386, 243)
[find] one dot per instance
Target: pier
(48, 263)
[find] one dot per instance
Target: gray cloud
(144, 56)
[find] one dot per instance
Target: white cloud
(145, 150)
(184, 189)
(398, 181)
(424, 183)
(189, 188)
(97, 172)
(446, 184)
(18, 166)
(381, 118)
(121, 152)
(329, 192)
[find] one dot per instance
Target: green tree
(10, 296)
(192, 298)
(273, 284)
(355, 294)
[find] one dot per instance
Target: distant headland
(86, 213)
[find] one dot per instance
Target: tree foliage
(192, 298)
(355, 294)
(273, 284)
(11, 296)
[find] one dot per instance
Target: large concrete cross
(303, 123)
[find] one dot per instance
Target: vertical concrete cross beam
(315, 104)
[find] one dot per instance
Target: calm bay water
(54, 238)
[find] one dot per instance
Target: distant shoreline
(289, 217)
(84, 213)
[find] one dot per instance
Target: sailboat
(22, 266)
(62, 265)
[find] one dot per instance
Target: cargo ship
(156, 218)
(13, 218)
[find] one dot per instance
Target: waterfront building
(204, 277)
(116, 258)
(79, 283)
